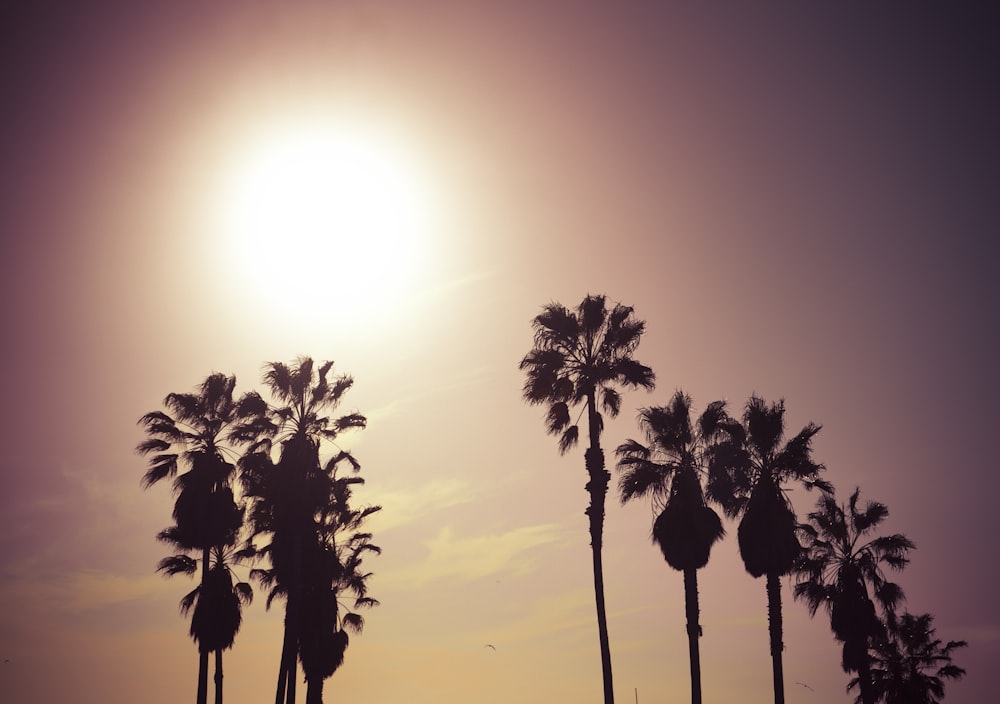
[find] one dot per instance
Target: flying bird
(490, 645)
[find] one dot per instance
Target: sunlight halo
(325, 220)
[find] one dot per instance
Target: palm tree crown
(909, 663)
(580, 356)
(668, 469)
(217, 601)
(747, 468)
(842, 571)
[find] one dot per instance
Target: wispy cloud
(83, 590)
(466, 558)
(403, 506)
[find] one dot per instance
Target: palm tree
(217, 602)
(333, 570)
(198, 432)
(579, 357)
(289, 495)
(747, 468)
(840, 563)
(909, 665)
(667, 468)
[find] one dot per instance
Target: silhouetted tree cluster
(582, 356)
(263, 483)
(294, 498)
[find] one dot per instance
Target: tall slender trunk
(597, 487)
(314, 690)
(202, 653)
(279, 695)
(293, 675)
(775, 630)
(288, 669)
(693, 631)
(288, 672)
(218, 676)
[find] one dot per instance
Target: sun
(325, 218)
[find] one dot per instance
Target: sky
(800, 200)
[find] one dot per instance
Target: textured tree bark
(693, 631)
(775, 629)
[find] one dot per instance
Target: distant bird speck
(806, 686)
(490, 645)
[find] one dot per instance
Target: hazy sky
(801, 199)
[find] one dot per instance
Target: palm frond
(555, 325)
(177, 564)
(352, 420)
(592, 313)
(152, 445)
(642, 478)
(354, 622)
(569, 438)
(161, 467)
(244, 592)
(765, 424)
(189, 599)
(545, 381)
(713, 420)
(557, 418)
(631, 373)
(611, 401)
(343, 456)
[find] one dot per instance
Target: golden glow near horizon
(326, 214)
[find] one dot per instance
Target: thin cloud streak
(402, 507)
(456, 558)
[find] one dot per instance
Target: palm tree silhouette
(841, 570)
(288, 496)
(579, 357)
(333, 571)
(217, 601)
(909, 665)
(747, 467)
(667, 468)
(196, 434)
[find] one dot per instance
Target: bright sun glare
(326, 219)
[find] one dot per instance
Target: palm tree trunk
(279, 695)
(218, 676)
(294, 618)
(203, 654)
(287, 670)
(292, 676)
(597, 487)
(693, 631)
(314, 690)
(775, 629)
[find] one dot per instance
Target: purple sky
(799, 200)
